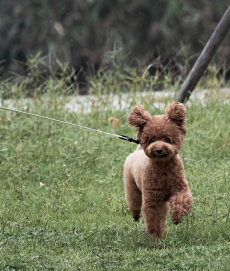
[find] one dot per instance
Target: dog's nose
(159, 150)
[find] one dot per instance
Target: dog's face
(160, 136)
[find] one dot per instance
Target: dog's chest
(158, 182)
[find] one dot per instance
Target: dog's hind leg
(133, 196)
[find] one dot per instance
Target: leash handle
(127, 138)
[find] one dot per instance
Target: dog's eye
(152, 140)
(167, 140)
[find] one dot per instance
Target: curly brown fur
(154, 176)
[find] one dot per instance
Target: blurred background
(89, 35)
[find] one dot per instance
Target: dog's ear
(138, 117)
(177, 113)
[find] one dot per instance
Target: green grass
(61, 192)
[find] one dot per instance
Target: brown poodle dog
(154, 174)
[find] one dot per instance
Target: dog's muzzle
(159, 153)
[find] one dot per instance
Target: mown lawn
(61, 192)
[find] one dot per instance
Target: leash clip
(127, 138)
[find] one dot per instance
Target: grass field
(61, 192)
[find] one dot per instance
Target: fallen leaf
(113, 121)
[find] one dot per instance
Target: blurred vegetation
(79, 33)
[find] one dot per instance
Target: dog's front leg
(180, 203)
(155, 218)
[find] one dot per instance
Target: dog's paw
(136, 215)
(154, 236)
(157, 235)
(176, 219)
